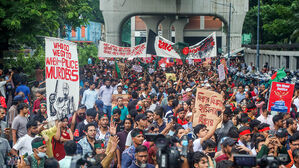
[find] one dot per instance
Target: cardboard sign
(114, 51)
(207, 104)
(126, 99)
(137, 68)
(170, 76)
(62, 77)
(221, 73)
(280, 97)
(121, 67)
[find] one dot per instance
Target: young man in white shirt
(23, 144)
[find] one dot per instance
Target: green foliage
(25, 21)
(278, 21)
(85, 51)
(26, 61)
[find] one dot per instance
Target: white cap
(188, 90)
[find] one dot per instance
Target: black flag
(151, 38)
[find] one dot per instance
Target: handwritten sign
(126, 99)
(221, 72)
(114, 51)
(280, 97)
(137, 68)
(170, 76)
(62, 77)
(207, 104)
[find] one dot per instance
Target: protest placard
(62, 77)
(207, 104)
(221, 72)
(126, 99)
(137, 68)
(170, 76)
(281, 95)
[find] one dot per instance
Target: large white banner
(164, 48)
(204, 49)
(114, 51)
(62, 77)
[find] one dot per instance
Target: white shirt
(296, 102)
(267, 120)
(116, 92)
(196, 145)
(23, 145)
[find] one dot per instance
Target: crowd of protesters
(115, 136)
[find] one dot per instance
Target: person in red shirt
(62, 135)
(39, 97)
(181, 117)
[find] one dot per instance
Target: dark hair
(177, 130)
(140, 148)
(89, 125)
(243, 129)
(257, 142)
(170, 98)
(276, 118)
(35, 83)
(180, 110)
(295, 153)
(129, 119)
(264, 107)
(197, 156)
(224, 164)
(294, 137)
(117, 111)
(31, 123)
(208, 144)
(21, 106)
(263, 125)
(233, 132)
(198, 127)
(70, 147)
(159, 111)
(175, 103)
(51, 163)
(148, 111)
(136, 131)
(134, 95)
(254, 123)
(290, 121)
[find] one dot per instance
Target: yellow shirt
(48, 135)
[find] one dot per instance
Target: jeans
(107, 110)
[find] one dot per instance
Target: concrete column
(281, 62)
(202, 22)
(152, 22)
(292, 63)
(113, 24)
(133, 31)
(179, 26)
(166, 27)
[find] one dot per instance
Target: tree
(278, 21)
(24, 22)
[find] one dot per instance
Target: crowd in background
(113, 135)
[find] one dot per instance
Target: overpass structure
(172, 13)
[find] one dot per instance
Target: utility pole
(258, 38)
(228, 31)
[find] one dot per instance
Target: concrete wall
(275, 59)
(115, 12)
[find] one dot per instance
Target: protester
(19, 123)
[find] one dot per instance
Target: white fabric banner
(164, 48)
(62, 77)
(204, 49)
(114, 51)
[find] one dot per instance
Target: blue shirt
(133, 165)
(240, 97)
(128, 157)
(106, 95)
(24, 89)
(89, 98)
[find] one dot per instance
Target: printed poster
(204, 49)
(207, 104)
(62, 77)
(280, 97)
